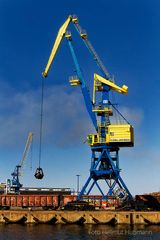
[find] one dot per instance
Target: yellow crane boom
(56, 45)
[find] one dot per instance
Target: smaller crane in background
(13, 185)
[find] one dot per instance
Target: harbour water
(76, 232)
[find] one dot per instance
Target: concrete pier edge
(79, 217)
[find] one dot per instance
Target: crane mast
(109, 137)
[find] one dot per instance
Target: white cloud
(133, 115)
(65, 119)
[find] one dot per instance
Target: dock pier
(79, 217)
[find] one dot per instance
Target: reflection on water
(76, 232)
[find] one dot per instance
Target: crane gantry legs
(105, 167)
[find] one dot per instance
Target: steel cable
(41, 122)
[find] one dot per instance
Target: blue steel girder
(92, 185)
(111, 187)
(96, 182)
(85, 91)
(82, 192)
(111, 173)
(104, 155)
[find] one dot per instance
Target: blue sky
(126, 36)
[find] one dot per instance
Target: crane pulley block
(83, 34)
(74, 19)
(68, 35)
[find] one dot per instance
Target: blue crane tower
(108, 137)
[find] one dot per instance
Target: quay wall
(79, 217)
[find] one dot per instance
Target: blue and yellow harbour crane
(108, 137)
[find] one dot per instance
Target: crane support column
(84, 89)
